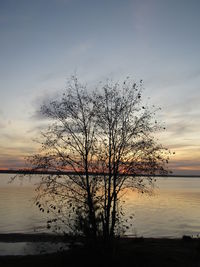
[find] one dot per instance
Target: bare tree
(104, 139)
(127, 147)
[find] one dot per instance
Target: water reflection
(172, 211)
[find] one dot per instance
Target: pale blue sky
(44, 41)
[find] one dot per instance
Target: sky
(43, 42)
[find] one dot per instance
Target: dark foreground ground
(126, 252)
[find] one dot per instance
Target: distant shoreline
(55, 237)
(26, 172)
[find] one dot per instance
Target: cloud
(13, 156)
(38, 128)
(190, 167)
(16, 142)
(184, 146)
(80, 49)
(47, 76)
(182, 121)
(185, 165)
(43, 99)
(3, 122)
(143, 11)
(173, 78)
(12, 163)
(183, 128)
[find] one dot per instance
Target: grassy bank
(126, 252)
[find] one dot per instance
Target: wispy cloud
(185, 167)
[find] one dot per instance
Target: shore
(142, 252)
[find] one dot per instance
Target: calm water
(171, 212)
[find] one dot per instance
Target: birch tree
(99, 144)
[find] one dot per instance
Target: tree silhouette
(104, 141)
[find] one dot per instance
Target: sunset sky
(43, 42)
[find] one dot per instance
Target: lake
(172, 211)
